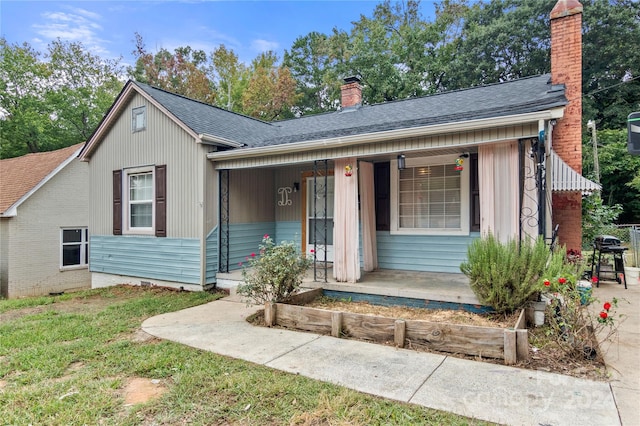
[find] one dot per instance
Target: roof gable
(22, 176)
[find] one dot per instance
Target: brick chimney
(566, 68)
(351, 92)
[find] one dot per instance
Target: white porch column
(346, 263)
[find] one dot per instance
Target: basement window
(74, 249)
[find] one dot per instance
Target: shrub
(576, 328)
(275, 273)
(505, 276)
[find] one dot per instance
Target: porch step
(229, 282)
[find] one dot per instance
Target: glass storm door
(320, 217)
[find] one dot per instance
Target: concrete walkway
(479, 390)
(623, 356)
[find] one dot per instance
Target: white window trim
(464, 197)
(135, 112)
(84, 248)
(126, 217)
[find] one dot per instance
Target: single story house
(182, 190)
(44, 212)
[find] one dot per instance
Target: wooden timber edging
(510, 344)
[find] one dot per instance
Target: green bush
(275, 273)
(505, 275)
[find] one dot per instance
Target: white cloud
(260, 45)
(74, 25)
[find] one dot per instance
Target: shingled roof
(21, 176)
(521, 96)
(230, 129)
(207, 119)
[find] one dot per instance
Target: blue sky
(107, 27)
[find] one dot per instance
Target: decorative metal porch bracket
(223, 221)
(320, 234)
(532, 181)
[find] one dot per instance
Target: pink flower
(266, 236)
(246, 258)
(312, 251)
(239, 263)
(253, 255)
(607, 306)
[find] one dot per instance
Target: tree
(231, 77)
(611, 58)
(183, 72)
(270, 94)
(501, 40)
(313, 67)
(389, 52)
(55, 100)
(85, 86)
(619, 173)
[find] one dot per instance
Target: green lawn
(65, 360)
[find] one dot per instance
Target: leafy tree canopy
(53, 100)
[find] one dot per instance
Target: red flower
(547, 283)
(603, 315)
(562, 280)
(266, 236)
(594, 279)
(607, 306)
(253, 255)
(312, 251)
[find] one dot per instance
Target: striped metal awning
(565, 179)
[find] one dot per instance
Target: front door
(319, 217)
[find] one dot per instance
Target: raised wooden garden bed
(510, 344)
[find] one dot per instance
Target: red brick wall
(566, 68)
(565, 207)
(351, 94)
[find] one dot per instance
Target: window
(430, 197)
(138, 119)
(139, 201)
(140, 206)
(74, 249)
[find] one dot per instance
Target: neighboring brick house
(182, 191)
(44, 213)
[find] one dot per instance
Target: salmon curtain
(368, 214)
(499, 190)
(346, 262)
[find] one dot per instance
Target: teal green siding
(212, 256)
(427, 253)
(244, 239)
(289, 231)
(168, 259)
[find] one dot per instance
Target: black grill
(604, 242)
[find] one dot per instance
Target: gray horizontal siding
(244, 239)
(168, 259)
(423, 252)
(212, 256)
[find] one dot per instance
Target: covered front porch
(431, 286)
